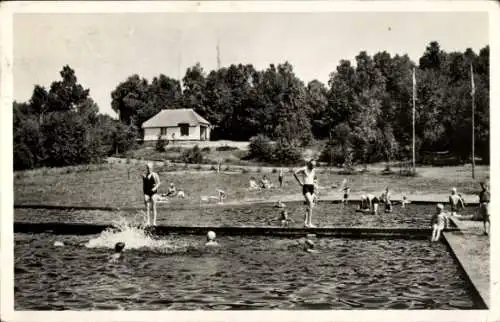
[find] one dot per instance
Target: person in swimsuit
(484, 206)
(386, 199)
(439, 222)
(308, 173)
(150, 184)
(345, 198)
(369, 203)
(404, 202)
(456, 202)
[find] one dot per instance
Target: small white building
(177, 125)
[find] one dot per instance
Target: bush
(175, 149)
(274, 171)
(287, 154)
(193, 155)
(261, 148)
(226, 148)
(332, 155)
(244, 170)
(160, 144)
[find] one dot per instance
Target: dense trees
(62, 127)
(364, 113)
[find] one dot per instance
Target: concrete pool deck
(471, 249)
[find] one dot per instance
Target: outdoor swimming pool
(179, 272)
(325, 214)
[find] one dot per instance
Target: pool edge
(480, 288)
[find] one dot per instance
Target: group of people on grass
(307, 179)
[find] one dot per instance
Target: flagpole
(414, 90)
(473, 92)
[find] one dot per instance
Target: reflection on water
(179, 272)
(325, 214)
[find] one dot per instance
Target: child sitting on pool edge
(439, 222)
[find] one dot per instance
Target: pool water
(325, 214)
(180, 273)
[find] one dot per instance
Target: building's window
(163, 131)
(184, 129)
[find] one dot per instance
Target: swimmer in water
(309, 246)
(439, 222)
(211, 239)
(118, 255)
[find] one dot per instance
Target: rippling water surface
(325, 214)
(179, 272)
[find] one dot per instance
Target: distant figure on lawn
(150, 184)
(308, 172)
(404, 202)
(265, 183)
(280, 204)
(484, 206)
(118, 254)
(385, 198)
(439, 222)
(456, 202)
(281, 177)
(171, 192)
(221, 194)
(253, 184)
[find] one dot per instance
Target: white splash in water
(134, 236)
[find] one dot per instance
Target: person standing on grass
(150, 184)
(280, 177)
(484, 206)
(308, 173)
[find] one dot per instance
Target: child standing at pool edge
(484, 206)
(308, 173)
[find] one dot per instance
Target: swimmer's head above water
(119, 247)
(211, 236)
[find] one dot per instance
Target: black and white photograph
(220, 158)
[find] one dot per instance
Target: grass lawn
(120, 185)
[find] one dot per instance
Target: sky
(104, 49)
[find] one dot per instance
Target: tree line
(363, 113)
